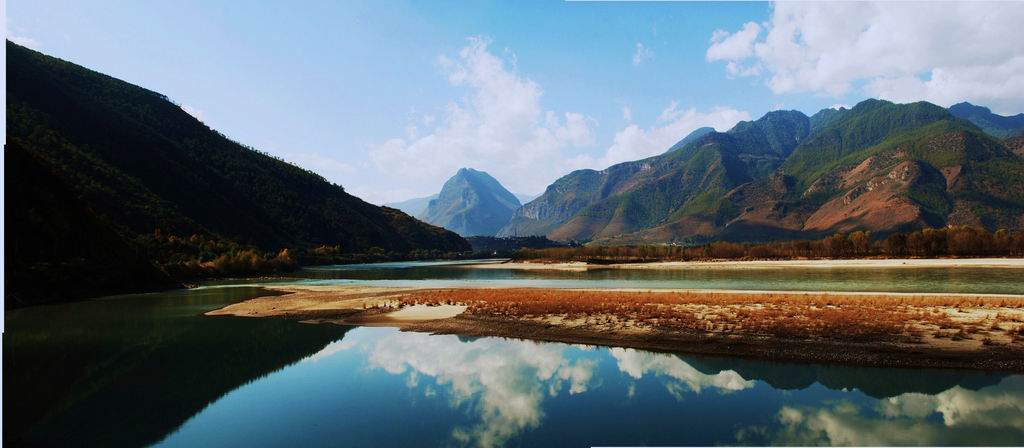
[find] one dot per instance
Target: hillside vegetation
(879, 167)
(123, 180)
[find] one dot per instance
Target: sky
(390, 98)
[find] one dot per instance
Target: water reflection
(510, 391)
(451, 274)
(683, 377)
(502, 382)
(991, 416)
(127, 370)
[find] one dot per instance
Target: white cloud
(198, 114)
(903, 51)
(638, 363)
(642, 54)
(17, 35)
(634, 142)
(627, 113)
(501, 382)
(731, 46)
(499, 127)
(24, 41)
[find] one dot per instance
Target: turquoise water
(450, 274)
(145, 369)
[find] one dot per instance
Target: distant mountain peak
(472, 203)
(1000, 126)
(691, 137)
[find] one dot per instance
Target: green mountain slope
(683, 187)
(472, 203)
(878, 166)
(886, 167)
(139, 164)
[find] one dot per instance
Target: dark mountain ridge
(140, 165)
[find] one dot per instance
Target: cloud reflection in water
(504, 382)
(992, 416)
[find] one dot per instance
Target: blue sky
(389, 98)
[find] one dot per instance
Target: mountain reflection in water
(447, 390)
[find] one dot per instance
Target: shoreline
(866, 329)
(1000, 263)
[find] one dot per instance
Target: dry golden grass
(860, 318)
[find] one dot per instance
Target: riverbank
(872, 329)
(765, 264)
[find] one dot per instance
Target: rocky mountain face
(471, 203)
(879, 166)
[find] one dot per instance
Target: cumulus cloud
(940, 52)
(731, 46)
(642, 54)
(635, 142)
(499, 127)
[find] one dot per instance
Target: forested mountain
(878, 166)
(677, 187)
(472, 203)
(996, 125)
(119, 170)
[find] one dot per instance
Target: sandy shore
(767, 264)
(875, 329)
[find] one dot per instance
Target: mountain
(115, 164)
(996, 125)
(471, 203)
(697, 133)
(879, 166)
(414, 206)
(677, 187)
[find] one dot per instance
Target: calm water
(150, 369)
(443, 274)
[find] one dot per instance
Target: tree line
(200, 256)
(953, 241)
